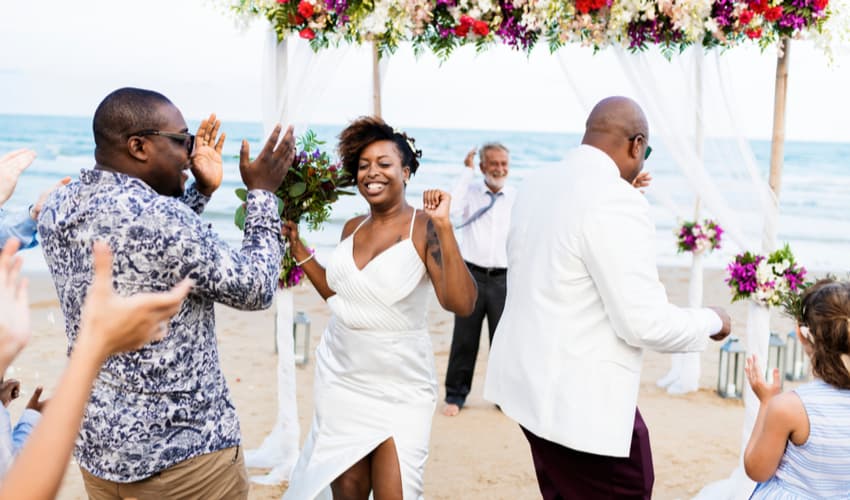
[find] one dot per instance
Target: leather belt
(489, 271)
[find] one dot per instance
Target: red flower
(466, 20)
(753, 34)
(745, 17)
(282, 1)
(821, 4)
(583, 6)
(307, 33)
(480, 28)
(759, 6)
(305, 9)
(461, 30)
(773, 13)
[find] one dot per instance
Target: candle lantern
(796, 361)
(301, 337)
(775, 358)
(730, 374)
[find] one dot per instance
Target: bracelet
(306, 260)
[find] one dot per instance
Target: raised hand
(468, 162)
(761, 388)
(270, 167)
(206, 157)
(12, 165)
(35, 402)
(111, 323)
(14, 305)
(436, 203)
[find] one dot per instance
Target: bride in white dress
(375, 386)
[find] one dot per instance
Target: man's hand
(727, 323)
(39, 204)
(642, 180)
(436, 203)
(12, 165)
(468, 162)
(14, 305)
(35, 402)
(9, 390)
(270, 167)
(111, 323)
(206, 158)
(761, 388)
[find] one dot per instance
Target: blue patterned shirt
(17, 225)
(168, 401)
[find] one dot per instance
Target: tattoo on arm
(433, 244)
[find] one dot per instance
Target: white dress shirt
(584, 299)
(483, 242)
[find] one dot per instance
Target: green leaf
(239, 218)
(242, 194)
(279, 206)
(297, 189)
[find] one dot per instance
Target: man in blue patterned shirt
(160, 422)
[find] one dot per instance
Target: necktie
(477, 215)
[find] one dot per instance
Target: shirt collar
(99, 176)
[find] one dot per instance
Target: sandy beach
(480, 453)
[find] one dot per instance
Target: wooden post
(376, 81)
(777, 145)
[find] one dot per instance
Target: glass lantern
(301, 337)
(730, 374)
(796, 361)
(775, 358)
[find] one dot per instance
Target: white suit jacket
(584, 300)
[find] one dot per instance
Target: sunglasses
(184, 138)
(648, 147)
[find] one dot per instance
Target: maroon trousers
(566, 474)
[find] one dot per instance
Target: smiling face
(380, 175)
(494, 166)
(168, 158)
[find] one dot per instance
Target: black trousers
(565, 474)
(467, 331)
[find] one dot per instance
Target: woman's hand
(761, 388)
(436, 204)
(289, 230)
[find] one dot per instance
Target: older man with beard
(485, 211)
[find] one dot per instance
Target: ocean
(814, 201)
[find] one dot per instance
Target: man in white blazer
(584, 299)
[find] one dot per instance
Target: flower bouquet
(697, 238)
(766, 280)
(312, 184)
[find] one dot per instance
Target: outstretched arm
(110, 324)
(453, 284)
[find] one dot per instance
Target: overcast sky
(62, 58)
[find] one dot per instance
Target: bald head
(617, 115)
(618, 127)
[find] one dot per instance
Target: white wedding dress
(375, 374)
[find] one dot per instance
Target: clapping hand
(436, 203)
(761, 388)
(206, 158)
(470, 158)
(111, 323)
(642, 180)
(35, 402)
(12, 165)
(272, 164)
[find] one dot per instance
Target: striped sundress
(819, 468)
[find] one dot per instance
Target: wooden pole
(777, 145)
(376, 81)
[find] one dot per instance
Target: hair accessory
(410, 143)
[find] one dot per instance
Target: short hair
(124, 112)
(491, 145)
(826, 313)
(368, 129)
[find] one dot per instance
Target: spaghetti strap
(360, 225)
(412, 220)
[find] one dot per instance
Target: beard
(495, 182)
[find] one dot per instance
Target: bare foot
(451, 410)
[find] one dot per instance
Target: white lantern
(301, 337)
(796, 361)
(730, 372)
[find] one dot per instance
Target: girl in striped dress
(800, 445)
